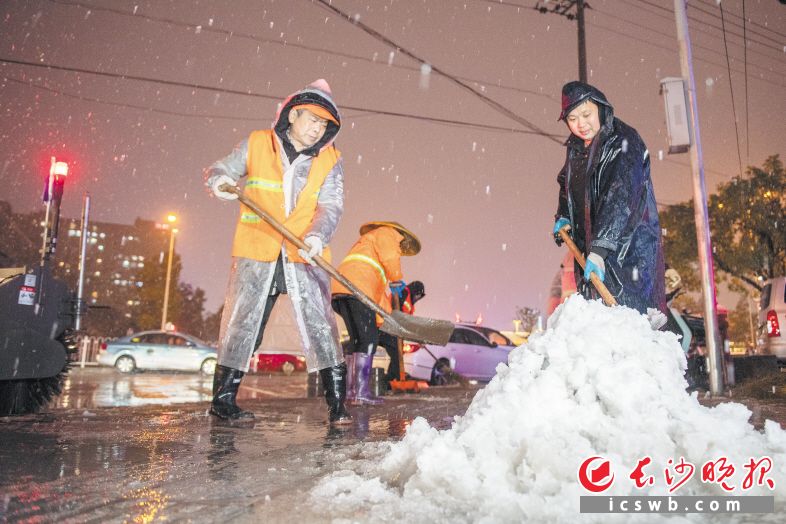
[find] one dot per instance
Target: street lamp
(172, 231)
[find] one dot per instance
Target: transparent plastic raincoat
(308, 287)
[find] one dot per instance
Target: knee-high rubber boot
(363, 362)
(334, 380)
(349, 360)
(226, 382)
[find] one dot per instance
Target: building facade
(116, 258)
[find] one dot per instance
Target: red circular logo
(592, 478)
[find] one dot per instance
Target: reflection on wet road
(136, 448)
(107, 387)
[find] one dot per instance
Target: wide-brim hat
(411, 244)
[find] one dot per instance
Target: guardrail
(88, 348)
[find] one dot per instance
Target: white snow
(599, 381)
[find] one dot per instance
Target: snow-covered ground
(598, 382)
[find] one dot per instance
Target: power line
(731, 88)
(669, 36)
(277, 98)
(668, 14)
(295, 45)
(122, 104)
(752, 22)
(489, 101)
(671, 12)
(747, 113)
(660, 46)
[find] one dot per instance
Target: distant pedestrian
(295, 174)
(373, 265)
(607, 200)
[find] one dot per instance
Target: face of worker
(584, 121)
(305, 128)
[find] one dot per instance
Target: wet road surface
(141, 448)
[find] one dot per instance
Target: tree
(747, 226)
(190, 307)
(742, 322)
(151, 294)
(528, 317)
(212, 325)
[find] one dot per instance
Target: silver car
(162, 350)
(473, 352)
(772, 318)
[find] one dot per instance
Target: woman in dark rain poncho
(607, 199)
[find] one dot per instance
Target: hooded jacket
(309, 191)
(619, 218)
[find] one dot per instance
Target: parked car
(772, 318)
(158, 350)
(274, 362)
(473, 352)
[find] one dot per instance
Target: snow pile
(598, 381)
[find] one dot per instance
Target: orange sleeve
(388, 246)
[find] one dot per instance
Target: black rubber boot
(226, 382)
(334, 380)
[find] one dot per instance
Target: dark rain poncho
(619, 216)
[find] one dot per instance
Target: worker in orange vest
(293, 172)
(373, 265)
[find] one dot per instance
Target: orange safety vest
(255, 238)
(373, 262)
(407, 306)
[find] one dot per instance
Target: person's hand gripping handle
(608, 298)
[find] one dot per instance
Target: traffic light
(53, 195)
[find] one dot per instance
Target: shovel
(608, 298)
(417, 329)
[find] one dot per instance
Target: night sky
(183, 81)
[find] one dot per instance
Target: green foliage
(741, 319)
(747, 225)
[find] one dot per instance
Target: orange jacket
(372, 263)
(254, 238)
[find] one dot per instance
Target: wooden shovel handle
(608, 298)
(321, 262)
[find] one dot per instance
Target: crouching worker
(373, 265)
(295, 174)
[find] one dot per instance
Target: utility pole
(700, 207)
(172, 232)
(563, 8)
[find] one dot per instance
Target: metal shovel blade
(418, 329)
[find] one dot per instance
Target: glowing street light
(172, 231)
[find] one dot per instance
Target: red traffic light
(58, 168)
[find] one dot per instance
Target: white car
(158, 350)
(473, 352)
(772, 318)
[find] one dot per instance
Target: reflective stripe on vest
(265, 184)
(370, 261)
